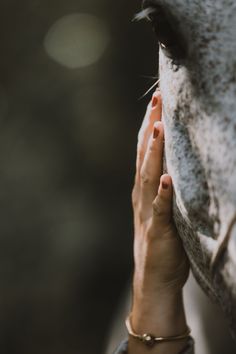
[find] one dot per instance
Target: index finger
(152, 115)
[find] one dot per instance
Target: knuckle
(146, 178)
(158, 209)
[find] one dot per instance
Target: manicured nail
(155, 132)
(154, 101)
(164, 185)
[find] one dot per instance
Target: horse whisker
(150, 89)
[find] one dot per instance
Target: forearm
(164, 318)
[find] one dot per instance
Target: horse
(197, 70)
(197, 80)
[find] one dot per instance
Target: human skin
(161, 265)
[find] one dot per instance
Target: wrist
(162, 316)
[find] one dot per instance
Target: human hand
(161, 265)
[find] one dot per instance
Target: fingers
(153, 114)
(162, 205)
(151, 169)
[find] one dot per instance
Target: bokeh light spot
(77, 40)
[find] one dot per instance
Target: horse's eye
(168, 34)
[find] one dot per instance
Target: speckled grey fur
(199, 103)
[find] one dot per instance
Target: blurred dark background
(71, 76)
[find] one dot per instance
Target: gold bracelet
(149, 339)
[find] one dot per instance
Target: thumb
(162, 205)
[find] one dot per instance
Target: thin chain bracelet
(150, 340)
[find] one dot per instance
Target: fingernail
(155, 132)
(164, 185)
(154, 101)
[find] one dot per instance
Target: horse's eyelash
(144, 14)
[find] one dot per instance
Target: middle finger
(151, 170)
